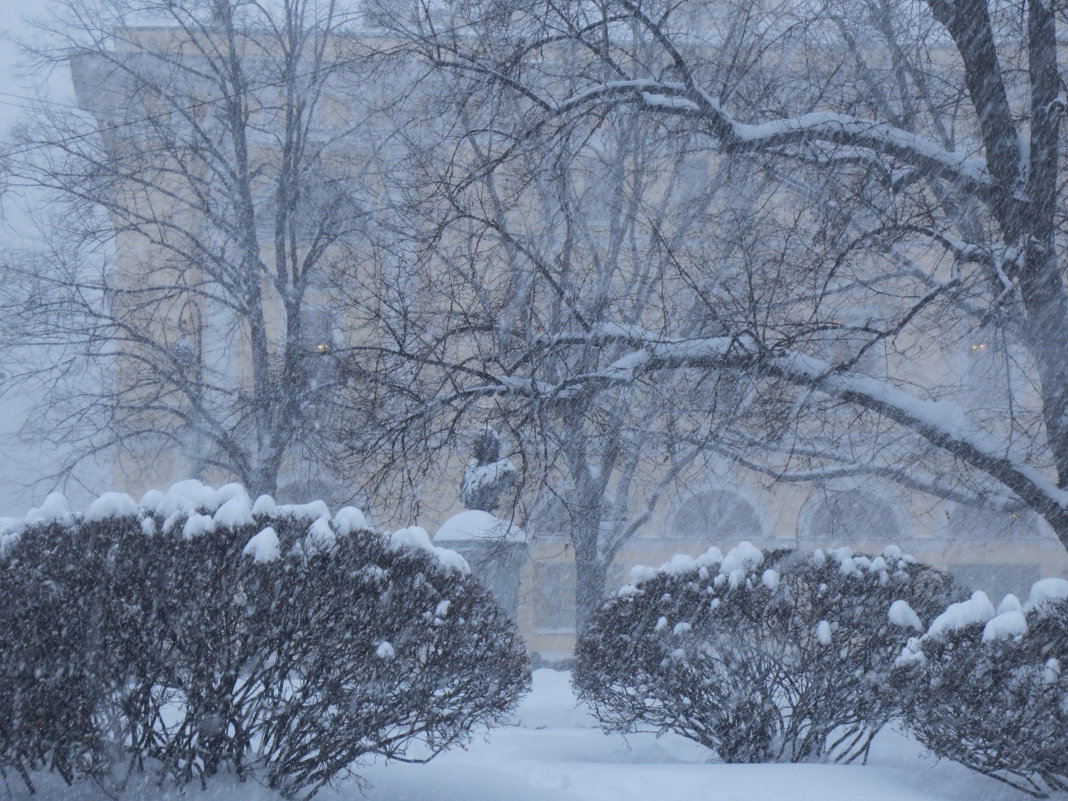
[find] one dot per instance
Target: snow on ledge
(476, 525)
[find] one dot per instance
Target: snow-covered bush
(990, 688)
(196, 632)
(759, 656)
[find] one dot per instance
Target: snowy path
(558, 754)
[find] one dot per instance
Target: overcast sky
(10, 23)
(12, 85)
(20, 462)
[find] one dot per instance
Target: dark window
(842, 517)
(317, 344)
(716, 515)
(549, 518)
(554, 597)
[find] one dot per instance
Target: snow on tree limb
(834, 128)
(942, 423)
(848, 469)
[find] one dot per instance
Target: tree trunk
(1041, 284)
(591, 578)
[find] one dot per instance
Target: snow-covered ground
(557, 753)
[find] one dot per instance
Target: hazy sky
(20, 462)
(10, 23)
(13, 497)
(11, 85)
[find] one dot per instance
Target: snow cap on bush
(111, 504)
(201, 508)
(744, 556)
(1008, 620)
(55, 509)
(960, 615)
(417, 538)
(264, 546)
(1045, 591)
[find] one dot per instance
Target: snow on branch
(941, 423)
(840, 129)
(908, 478)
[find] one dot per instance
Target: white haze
(21, 460)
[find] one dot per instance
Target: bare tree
(535, 273)
(929, 175)
(207, 197)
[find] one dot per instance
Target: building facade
(229, 371)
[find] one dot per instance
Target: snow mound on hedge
(1011, 619)
(961, 615)
(743, 559)
(111, 504)
(190, 496)
(903, 615)
(264, 547)
(416, 538)
(1046, 591)
(191, 509)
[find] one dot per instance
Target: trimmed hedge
(777, 656)
(196, 633)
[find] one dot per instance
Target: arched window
(715, 515)
(837, 517)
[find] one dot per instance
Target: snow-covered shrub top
(977, 616)
(191, 509)
(723, 647)
(746, 566)
(740, 562)
(732, 567)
